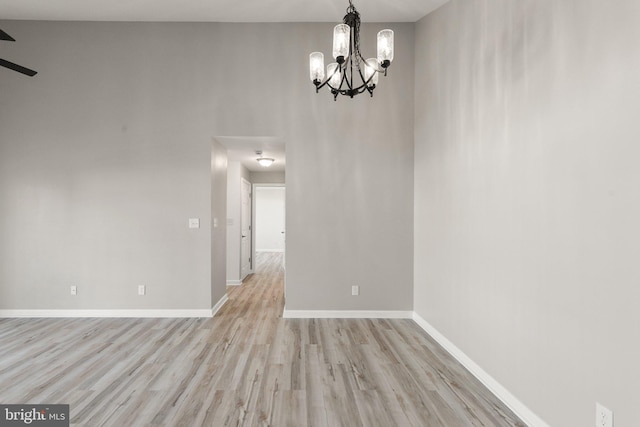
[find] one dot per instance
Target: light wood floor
(245, 367)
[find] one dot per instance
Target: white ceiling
(243, 149)
(216, 10)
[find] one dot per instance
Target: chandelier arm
(364, 61)
(355, 91)
(365, 81)
(321, 85)
(349, 80)
(327, 80)
(344, 78)
(378, 70)
(351, 89)
(345, 91)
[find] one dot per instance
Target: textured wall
(527, 198)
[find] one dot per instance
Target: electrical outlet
(604, 416)
(74, 290)
(355, 290)
(142, 290)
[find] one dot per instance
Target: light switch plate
(604, 416)
(194, 222)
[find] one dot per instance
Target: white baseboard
(219, 305)
(161, 313)
(346, 314)
(524, 413)
(269, 250)
(234, 282)
(108, 313)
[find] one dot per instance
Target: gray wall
(268, 177)
(105, 154)
(527, 198)
(350, 188)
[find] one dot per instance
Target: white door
(245, 245)
(269, 218)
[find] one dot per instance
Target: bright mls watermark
(34, 415)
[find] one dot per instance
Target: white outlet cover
(604, 416)
(355, 290)
(194, 222)
(141, 290)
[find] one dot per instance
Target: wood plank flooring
(245, 367)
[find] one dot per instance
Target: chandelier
(351, 74)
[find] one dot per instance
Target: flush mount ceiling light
(349, 61)
(264, 161)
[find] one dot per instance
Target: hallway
(343, 372)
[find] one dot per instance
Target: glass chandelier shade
(351, 74)
(385, 46)
(316, 66)
(341, 39)
(334, 74)
(370, 73)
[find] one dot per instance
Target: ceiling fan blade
(18, 68)
(5, 36)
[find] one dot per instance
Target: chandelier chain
(351, 7)
(353, 19)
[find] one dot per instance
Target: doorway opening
(269, 231)
(244, 173)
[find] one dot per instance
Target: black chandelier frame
(354, 63)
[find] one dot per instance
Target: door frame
(251, 235)
(253, 215)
